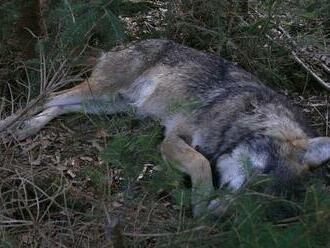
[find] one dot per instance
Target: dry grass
(57, 190)
(60, 189)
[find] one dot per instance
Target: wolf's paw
(5, 137)
(25, 132)
(18, 132)
(199, 209)
(218, 207)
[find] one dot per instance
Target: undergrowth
(52, 197)
(241, 34)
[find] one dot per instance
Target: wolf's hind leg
(195, 165)
(82, 98)
(31, 126)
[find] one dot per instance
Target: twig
(293, 46)
(326, 68)
(297, 59)
(316, 77)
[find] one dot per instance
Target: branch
(315, 76)
(292, 46)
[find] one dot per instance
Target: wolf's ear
(317, 151)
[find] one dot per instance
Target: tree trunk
(30, 26)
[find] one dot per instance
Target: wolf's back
(219, 102)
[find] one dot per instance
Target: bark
(30, 26)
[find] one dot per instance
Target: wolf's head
(287, 160)
(271, 138)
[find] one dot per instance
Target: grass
(63, 186)
(67, 202)
(222, 28)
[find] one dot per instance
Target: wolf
(214, 113)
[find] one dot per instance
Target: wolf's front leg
(195, 165)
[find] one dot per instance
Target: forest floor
(70, 184)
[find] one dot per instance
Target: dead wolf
(213, 111)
